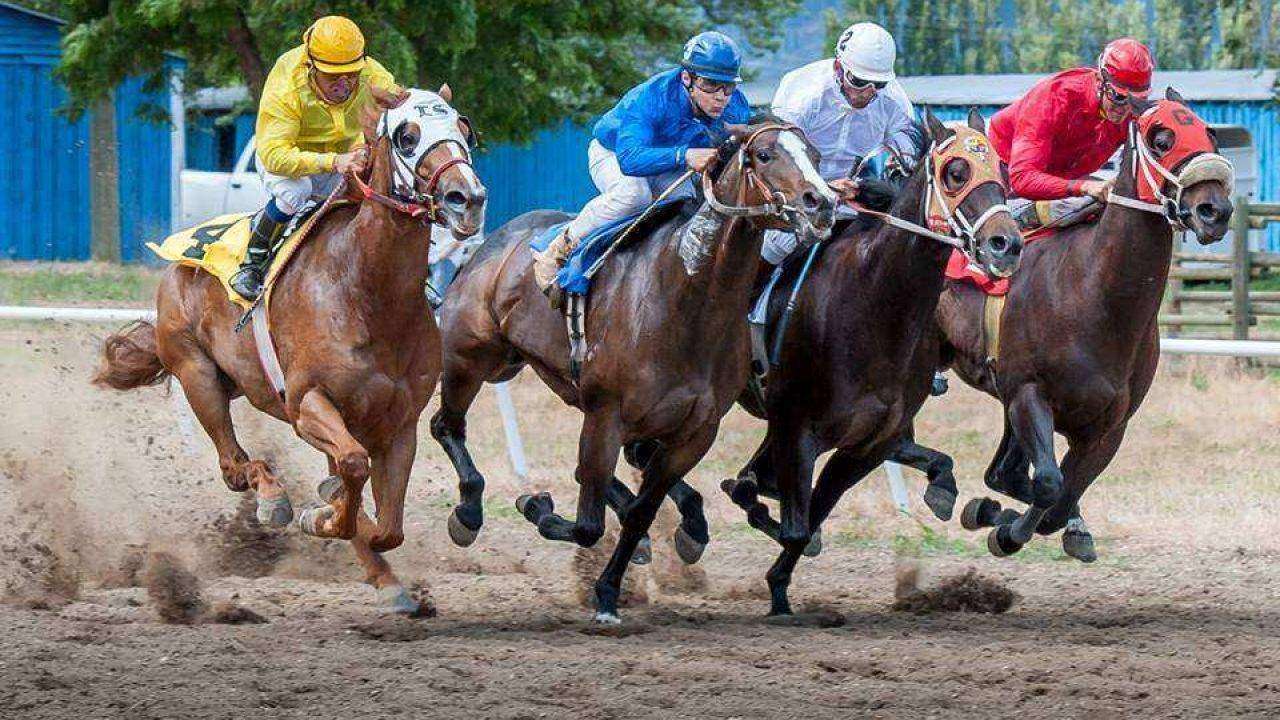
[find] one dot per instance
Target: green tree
(515, 65)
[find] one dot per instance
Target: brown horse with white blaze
(666, 341)
(357, 343)
(1079, 340)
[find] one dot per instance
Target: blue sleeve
(637, 155)
(739, 110)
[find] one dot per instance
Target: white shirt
(810, 97)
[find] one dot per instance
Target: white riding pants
(291, 194)
(620, 195)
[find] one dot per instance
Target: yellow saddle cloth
(217, 246)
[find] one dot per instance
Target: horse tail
(129, 359)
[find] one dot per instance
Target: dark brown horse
(858, 355)
(359, 349)
(1079, 341)
(667, 341)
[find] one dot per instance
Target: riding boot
(547, 264)
(267, 227)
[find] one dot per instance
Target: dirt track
(1179, 618)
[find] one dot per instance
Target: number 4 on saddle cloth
(217, 246)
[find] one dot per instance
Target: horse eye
(763, 156)
(958, 172)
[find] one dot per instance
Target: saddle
(218, 246)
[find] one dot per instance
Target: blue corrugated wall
(44, 167)
(204, 137)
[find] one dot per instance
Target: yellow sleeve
(379, 77)
(279, 120)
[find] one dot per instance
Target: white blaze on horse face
(468, 173)
(795, 147)
(437, 121)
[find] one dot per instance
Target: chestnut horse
(359, 349)
(666, 340)
(857, 360)
(1079, 340)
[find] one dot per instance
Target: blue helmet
(714, 56)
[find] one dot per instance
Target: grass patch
(931, 543)
(61, 283)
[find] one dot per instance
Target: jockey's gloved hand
(876, 194)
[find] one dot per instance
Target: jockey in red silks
(1067, 127)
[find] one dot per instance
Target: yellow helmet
(335, 45)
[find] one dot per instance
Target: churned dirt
(134, 585)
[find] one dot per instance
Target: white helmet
(868, 51)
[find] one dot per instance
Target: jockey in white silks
(849, 107)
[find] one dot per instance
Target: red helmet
(1127, 64)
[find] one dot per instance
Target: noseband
(777, 203)
(421, 206)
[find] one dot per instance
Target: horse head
(771, 172)
(1176, 165)
(421, 159)
(965, 195)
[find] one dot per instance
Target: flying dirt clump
(967, 592)
(239, 545)
(174, 590)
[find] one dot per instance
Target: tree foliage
(515, 65)
(987, 36)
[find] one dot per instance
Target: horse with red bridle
(1079, 340)
(357, 346)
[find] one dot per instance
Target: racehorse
(667, 341)
(857, 357)
(357, 343)
(1079, 341)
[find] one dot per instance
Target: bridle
(942, 207)
(776, 205)
(1146, 167)
(418, 205)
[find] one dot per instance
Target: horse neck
(1124, 265)
(385, 252)
(901, 270)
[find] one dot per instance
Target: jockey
(309, 130)
(848, 107)
(672, 121)
(1066, 127)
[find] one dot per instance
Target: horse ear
(369, 118)
(1174, 95)
(446, 92)
(976, 121)
(387, 99)
(937, 131)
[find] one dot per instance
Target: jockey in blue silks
(670, 122)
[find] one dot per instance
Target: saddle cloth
(218, 246)
(575, 276)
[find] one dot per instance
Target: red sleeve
(1044, 110)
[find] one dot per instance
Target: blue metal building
(44, 169)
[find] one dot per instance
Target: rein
(777, 203)
(425, 207)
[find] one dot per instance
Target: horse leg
(321, 425)
(618, 497)
(377, 571)
(941, 494)
(390, 476)
(211, 403)
(842, 471)
(691, 536)
(1032, 423)
(458, 389)
(744, 490)
(1008, 474)
(665, 467)
(1081, 465)
(598, 449)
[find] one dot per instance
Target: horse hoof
(460, 534)
(814, 548)
(606, 618)
(941, 501)
(328, 488)
(1007, 516)
(689, 550)
(311, 518)
(1000, 544)
(974, 512)
(395, 599)
(275, 512)
(542, 499)
(644, 552)
(727, 485)
(1079, 545)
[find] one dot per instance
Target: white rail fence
(507, 408)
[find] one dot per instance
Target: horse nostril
(811, 200)
(455, 198)
(1208, 212)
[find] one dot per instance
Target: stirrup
(247, 281)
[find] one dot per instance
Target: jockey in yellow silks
(309, 132)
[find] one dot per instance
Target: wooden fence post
(1240, 269)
